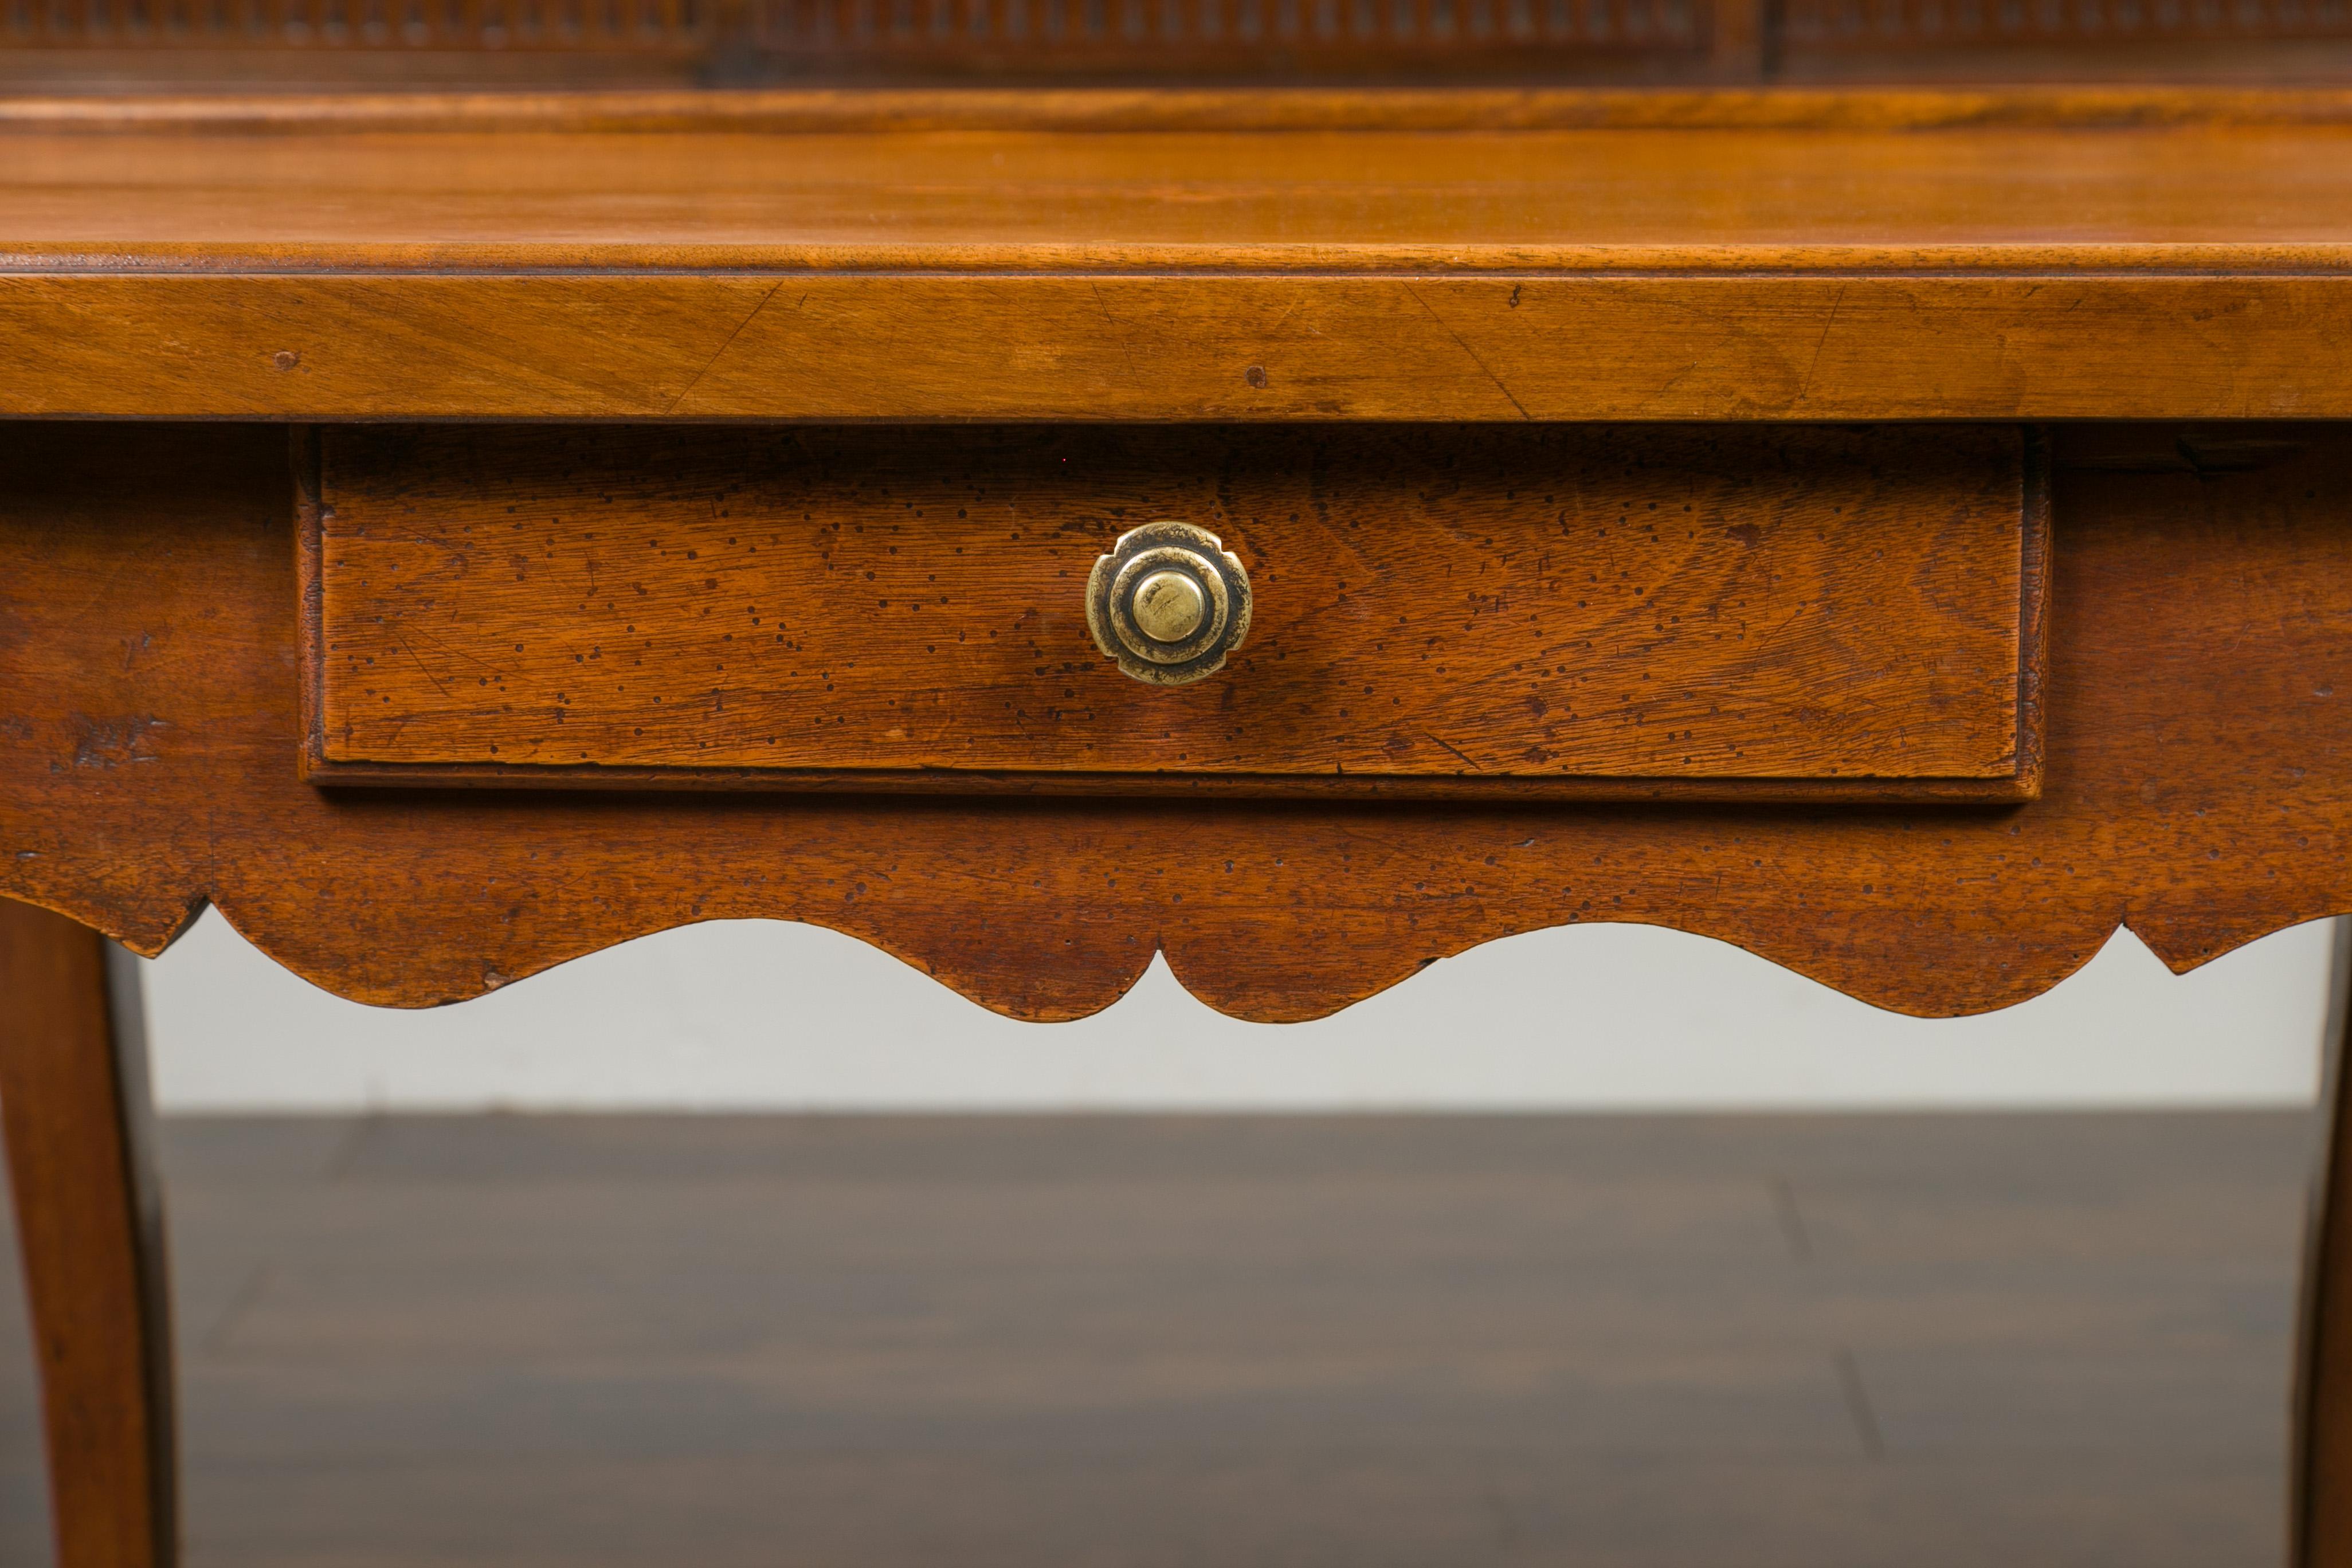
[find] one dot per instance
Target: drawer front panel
(1531, 607)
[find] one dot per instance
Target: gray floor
(1688, 1342)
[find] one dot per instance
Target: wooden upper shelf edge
(1186, 255)
(1191, 107)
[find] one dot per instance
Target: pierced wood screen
(1930, 24)
(1007, 26)
(551, 42)
(748, 39)
(618, 25)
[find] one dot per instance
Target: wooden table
(1901, 533)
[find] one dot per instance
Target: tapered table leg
(74, 1110)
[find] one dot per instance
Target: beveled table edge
(261, 112)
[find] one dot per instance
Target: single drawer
(1540, 611)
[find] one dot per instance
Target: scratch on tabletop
(1805, 388)
(1472, 353)
(730, 343)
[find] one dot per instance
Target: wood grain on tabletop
(1547, 256)
(1095, 197)
(2198, 786)
(1492, 602)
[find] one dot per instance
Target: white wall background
(752, 1014)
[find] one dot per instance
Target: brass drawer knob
(1168, 603)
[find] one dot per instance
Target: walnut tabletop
(1279, 254)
